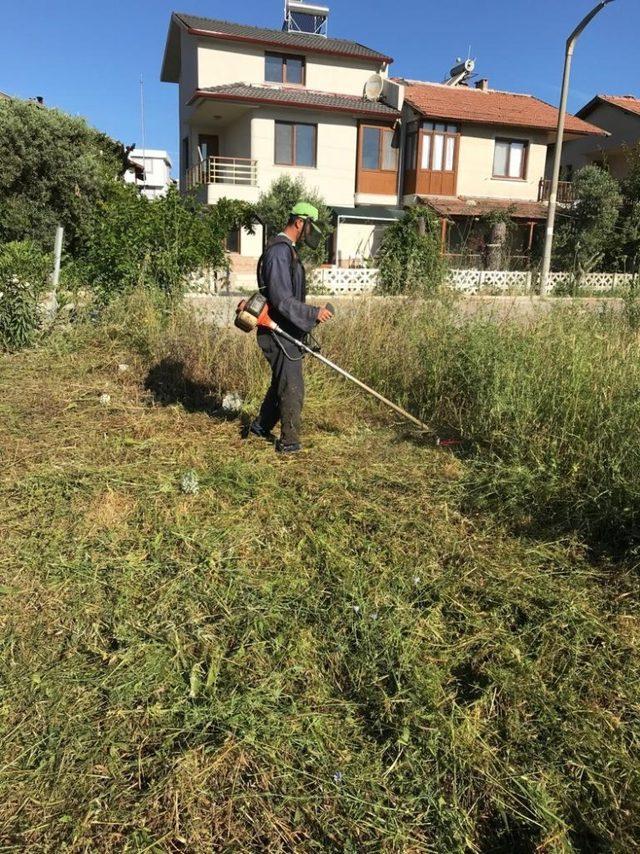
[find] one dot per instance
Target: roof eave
(234, 37)
(250, 99)
(171, 60)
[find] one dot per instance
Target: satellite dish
(373, 87)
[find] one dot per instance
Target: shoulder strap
(274, 242)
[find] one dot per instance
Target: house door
(438, 159)
(208, 145)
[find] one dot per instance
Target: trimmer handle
(330, 308)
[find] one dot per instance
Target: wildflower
(122, 368)
(356, 609)
(374, 616)
(189, 483)
(105, 399)
(417, 580)
(337, 777)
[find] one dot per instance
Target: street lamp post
(553, 198)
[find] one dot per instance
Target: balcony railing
(223, 170)
(566, 195)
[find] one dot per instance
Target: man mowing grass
(281, 278)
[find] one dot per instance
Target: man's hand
(324, 314)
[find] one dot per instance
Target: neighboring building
(478, 155)
(257, 103)
(619, 116)
(150, 170)
(4, 96)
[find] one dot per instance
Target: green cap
(304, 209)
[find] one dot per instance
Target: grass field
(336, 652)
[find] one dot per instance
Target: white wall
(624, 129)
(335, 174)
(224, 62)
(358, 240)
(235, 139)
(475, 163)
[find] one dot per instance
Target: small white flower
(338, 777)
(122, 368)
(417, 580)
(356, 609)
(105, 399)
(374, 616)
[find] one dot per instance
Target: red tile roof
(629, 103)
(465, 206)
(489, 107)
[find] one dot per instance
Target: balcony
(566, 195)
(230, 177)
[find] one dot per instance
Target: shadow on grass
(169, 384)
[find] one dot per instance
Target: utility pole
(553, 198)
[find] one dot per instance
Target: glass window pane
(501, 158)
(516, 164)
(426, 151)
(294, 70)
(389, 154)
(305, 145)
(441, 128)
(452, 128)
(411, 151)
(284, 143)
(273, 69)
(371, 148)
(427, 125)
(450, 149)
(438, 152)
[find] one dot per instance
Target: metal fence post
(55, 278)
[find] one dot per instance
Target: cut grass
(320, 653)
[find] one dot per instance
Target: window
(377, 149)
(439, 143)
(411, 149)
(295, 144)
(232, 241)
(208, 145)
(510, 158)
(279, 68)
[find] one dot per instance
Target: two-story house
(475, 154)
(619, 116)
(258, 103)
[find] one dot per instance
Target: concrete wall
(475, 164)
(188, 84)
(224, 62)
(235, 139)
(335, 174)
(624, 129)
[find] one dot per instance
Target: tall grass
(548, 407)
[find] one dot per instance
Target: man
(281, 278)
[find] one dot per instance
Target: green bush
(275, 205)
(410, 256)
(18, 313)
(54, 169)
(137, 241)
(27, 262)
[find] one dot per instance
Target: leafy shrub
(275, 205)
(410, 257)
(27, 262)
(54, 169)
(18, 313)
(137, 241)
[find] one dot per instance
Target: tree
(587, 232)
(274, 206)
(410, 255)
(54, 168)
(628, 249)
(133, 240)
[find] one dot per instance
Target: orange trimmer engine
(253, 312)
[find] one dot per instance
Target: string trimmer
(254, 313)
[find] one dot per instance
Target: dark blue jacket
(281, 278)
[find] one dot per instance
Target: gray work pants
(285, 396)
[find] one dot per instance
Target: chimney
(483, 85)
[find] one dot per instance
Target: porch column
(443, 235)
(532, 226)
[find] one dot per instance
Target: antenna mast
(144, 144)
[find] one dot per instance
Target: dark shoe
(291, 448)
(256, 429)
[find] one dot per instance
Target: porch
(216, 177)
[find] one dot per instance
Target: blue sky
(87, 57)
